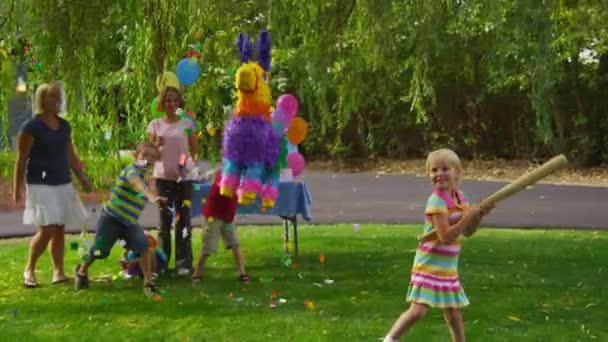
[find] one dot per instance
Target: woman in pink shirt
(169, 135)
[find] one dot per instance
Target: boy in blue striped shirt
(119, 219)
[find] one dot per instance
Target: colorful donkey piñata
(251, 146)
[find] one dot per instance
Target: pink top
(175, 144)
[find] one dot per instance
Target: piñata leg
(270, 190)
(252, 184)
(231, 176)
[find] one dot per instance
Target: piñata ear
(245, 47)
(264, 45)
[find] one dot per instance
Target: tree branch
(349, 12)
(45, 24)
(83, 4)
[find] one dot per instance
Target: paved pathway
(398, 199)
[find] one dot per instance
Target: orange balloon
(297, 130)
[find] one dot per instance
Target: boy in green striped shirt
(119, 219)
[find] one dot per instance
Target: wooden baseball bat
(553, 165)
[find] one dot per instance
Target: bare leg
(57, 247)
(200, 265)
(453, 318)
(152, 263)
(88, 261)
(37, 246)
(146, 266)
(407, 320)
(84, 267)
(238, 259)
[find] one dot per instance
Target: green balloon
(284, 151)
(154, 109)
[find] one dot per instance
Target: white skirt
(53, 204)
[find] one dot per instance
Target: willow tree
(505, 78)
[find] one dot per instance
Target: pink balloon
(281, 116)
(288, 103)
(296, 163)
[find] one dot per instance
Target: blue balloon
(291, 148)
(188, 71)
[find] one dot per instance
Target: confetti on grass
(309, 304)
(74, 245)
(286, 261)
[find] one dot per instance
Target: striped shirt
(126, 204)
(441, 203)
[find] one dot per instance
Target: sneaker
(183, 271)
(81, 281)
(151, 291)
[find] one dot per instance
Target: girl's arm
(192, 144)
(78, 168)
(152, 185)
(154, 138)
(157, 141)
(485, 210)
(449, 233)
(25, 143)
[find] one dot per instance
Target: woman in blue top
(45, 158)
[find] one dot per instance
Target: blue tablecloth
(294, 199)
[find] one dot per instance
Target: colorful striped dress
(435, 279)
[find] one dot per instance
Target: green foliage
(7, 166)
(505, 78)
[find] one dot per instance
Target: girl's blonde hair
(43, 91)
(446, 155)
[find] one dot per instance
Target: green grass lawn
(523, 286)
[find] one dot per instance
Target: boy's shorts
(211, 236)
(110, 229)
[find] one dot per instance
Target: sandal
(61, 280)
(243, 278)
(28, 280)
